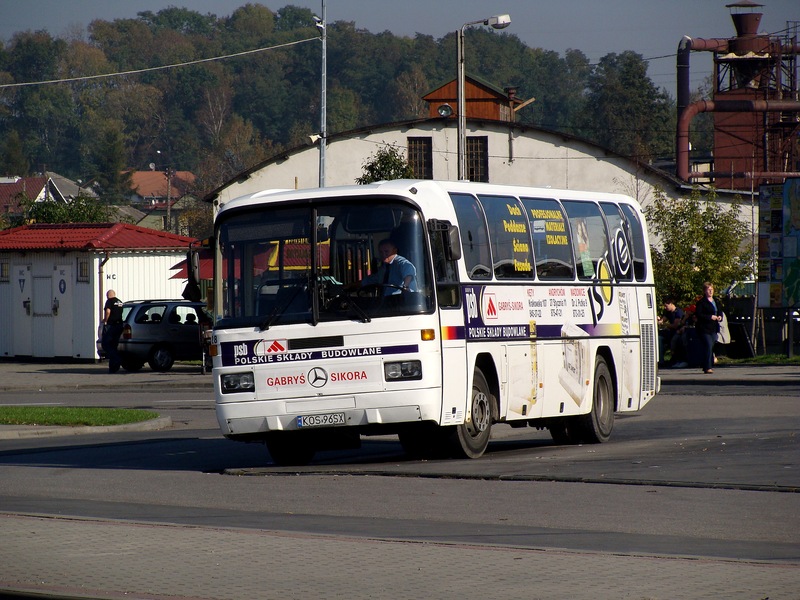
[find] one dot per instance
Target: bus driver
(396, 273)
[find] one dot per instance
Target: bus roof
(420, 191)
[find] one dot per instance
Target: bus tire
(596, 426)
(289, 449)
(471, 438)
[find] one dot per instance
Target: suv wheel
(161, 359)
(131, 364)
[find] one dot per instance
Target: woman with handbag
(708, 314)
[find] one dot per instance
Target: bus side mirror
(193, 258)
(452, 243)
(192, 290)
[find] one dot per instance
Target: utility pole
(169, 173)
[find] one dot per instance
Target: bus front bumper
(367, 411)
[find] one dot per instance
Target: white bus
(525, 306)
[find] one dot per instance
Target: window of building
(510, 238)
(474, 236)
(5, 272)
(83, 270)
(420, 156)
(551, 241)
(478, 158)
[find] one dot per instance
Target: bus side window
(445, 271)
(552, 246)
(474, 236)
(637, 236)
(510, 237)
(621, 248)
(590, 239)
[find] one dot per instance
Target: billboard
(778, 245)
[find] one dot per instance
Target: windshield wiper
(346, 303)
(280, 309)
(358, 310)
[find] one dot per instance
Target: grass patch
(72, 416)
(764, 359)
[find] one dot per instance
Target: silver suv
(160, 332)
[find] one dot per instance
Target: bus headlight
(405, 370)
(236, 383)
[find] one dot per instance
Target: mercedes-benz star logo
(317, 377)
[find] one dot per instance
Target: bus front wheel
(472, 437)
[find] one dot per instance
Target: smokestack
(746, 23)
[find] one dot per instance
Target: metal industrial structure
(755, 104)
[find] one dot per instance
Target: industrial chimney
(755, 104)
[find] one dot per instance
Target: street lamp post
(496, 22)
(323, 108)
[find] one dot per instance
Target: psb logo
(317, 377)
(471, 304)
(240, 350)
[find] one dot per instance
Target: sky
(652, 28)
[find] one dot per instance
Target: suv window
(153, 313)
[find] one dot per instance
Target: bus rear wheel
(472, 437)
(290, 449)
(596, 426)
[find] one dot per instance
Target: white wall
(42, 278)
(525, 157)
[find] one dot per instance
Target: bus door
(445, 251)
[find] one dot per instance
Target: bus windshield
(353, 260)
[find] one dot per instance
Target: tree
(197, 219)
(387, 163)
(112, 180)
(82, 209)
(408, 90)
(699, 240)
(625, 111)
(13, 160)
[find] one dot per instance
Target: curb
(146, 387)
(17, 432)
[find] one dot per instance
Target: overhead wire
(151, 69)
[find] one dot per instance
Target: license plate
(324, 420)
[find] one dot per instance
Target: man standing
(112, 330)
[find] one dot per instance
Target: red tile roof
(90, 236)
(153, 184)
(11, 191)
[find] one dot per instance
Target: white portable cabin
(54, 278)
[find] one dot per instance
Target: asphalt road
(707, 471)
(697, 495)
